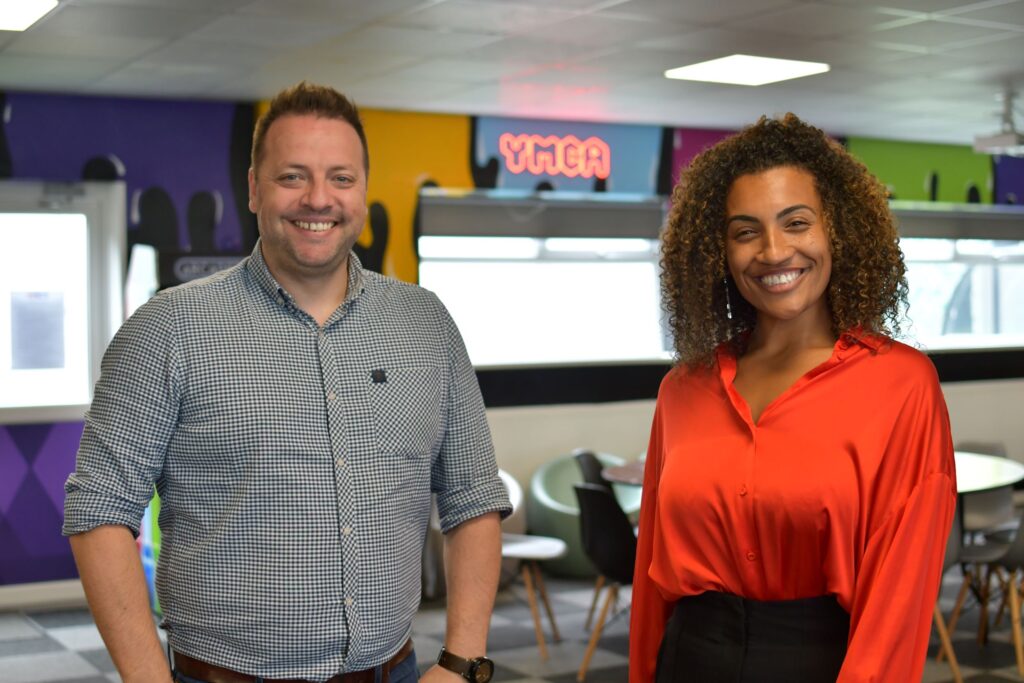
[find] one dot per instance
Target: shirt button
(341, 461)
(347, 530)
(743, 490)
(348, 602)
(331, 396)
(751, 556)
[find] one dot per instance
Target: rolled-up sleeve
(465, 474)
(132, 417)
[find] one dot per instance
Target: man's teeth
(779, 278)
(315, 227)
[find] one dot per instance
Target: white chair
(433, 582)
(529, 550)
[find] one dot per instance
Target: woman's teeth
(776, 279)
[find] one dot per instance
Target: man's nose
(317, 195)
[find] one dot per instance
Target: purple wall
(181, 147)
(1009, 180)
(689, 142)
(181, 159)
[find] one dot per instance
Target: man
(295, 413)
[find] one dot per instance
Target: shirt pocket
(407, 409)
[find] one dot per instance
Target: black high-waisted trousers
(722, 638)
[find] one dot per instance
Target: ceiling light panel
(746, 70)
(18, 16)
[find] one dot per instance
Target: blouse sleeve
(650, 611)
(900, 570)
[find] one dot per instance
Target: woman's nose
(775, 247)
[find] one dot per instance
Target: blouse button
(743, 490)
(751, 556)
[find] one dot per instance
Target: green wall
(905, 167)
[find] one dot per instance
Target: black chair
(590, 467)
(609, 543)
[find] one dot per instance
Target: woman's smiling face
(776, 243)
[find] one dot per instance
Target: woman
(800, 482)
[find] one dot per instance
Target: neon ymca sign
(553, 155)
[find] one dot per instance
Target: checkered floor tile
(65, 647)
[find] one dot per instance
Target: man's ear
(252, 189)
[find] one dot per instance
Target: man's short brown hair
(310, 99)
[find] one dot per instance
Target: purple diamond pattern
(52, 464)
(13, 469)
(34, 462)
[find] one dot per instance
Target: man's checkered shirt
(295, 463)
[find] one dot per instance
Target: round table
(974, 472)
(978, 472)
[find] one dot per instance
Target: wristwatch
(476, 670)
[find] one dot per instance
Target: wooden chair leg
(532, 598)
(957, 608)
(556, 636)
(947, 645)
(1018, 646)
(613, 595)
(984, 594)
(1006, 584)
(593, 601)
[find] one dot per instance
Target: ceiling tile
(28, 71)
(376, 39)
(814, 20)
(176, 5)
(193, 50)
(1010, 13)
(933, 35)
(348, 12)
(484, 17)
(461, 70)
(110, 20)
(697, 11)
(122, 48)
(608, 31)
(268, 32)
(521, 50)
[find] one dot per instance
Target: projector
(1009, 143)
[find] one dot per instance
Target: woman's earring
(728, 303)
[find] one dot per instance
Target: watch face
(482, 670)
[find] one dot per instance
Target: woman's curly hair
(867, 290)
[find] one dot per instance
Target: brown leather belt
(194, 668)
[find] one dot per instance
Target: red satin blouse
(845, 486)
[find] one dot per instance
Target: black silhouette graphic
(240, 149)
(372, 256)
(202, 221)
(484, 177)
(103, 168)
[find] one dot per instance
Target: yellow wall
(407, 149)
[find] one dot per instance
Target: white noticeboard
(61, 275)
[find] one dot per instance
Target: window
(529, 301)
(962, 292)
